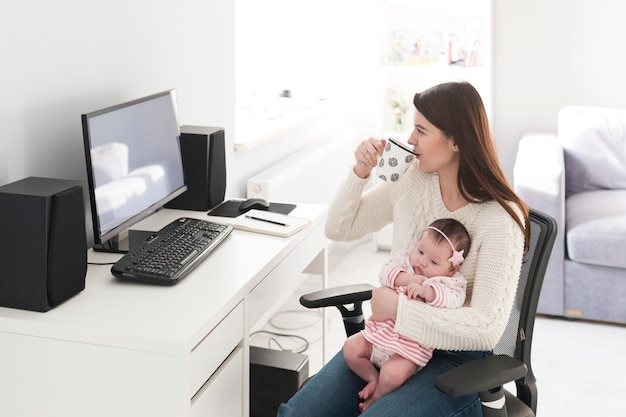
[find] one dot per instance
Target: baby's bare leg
(393, 374)
(357, 352)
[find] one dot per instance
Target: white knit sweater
(491, 267)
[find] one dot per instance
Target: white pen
(265, 220)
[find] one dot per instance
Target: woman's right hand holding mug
(366, 155)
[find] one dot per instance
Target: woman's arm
(355, 213)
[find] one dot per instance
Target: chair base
(515, 407)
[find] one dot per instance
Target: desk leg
(319, 266)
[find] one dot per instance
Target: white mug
(396, 159)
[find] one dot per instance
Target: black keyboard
(172, 252)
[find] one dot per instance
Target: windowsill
(260, 120)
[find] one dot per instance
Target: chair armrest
(480, 375)
(335, 296)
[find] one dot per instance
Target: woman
(456, 175)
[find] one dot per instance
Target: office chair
(511, 360)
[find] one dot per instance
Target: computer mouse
(257, 203)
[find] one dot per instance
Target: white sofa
(578, 176)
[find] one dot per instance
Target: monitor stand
(124, 242)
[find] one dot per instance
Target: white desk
(127, 349)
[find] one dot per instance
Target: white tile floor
(580, 366)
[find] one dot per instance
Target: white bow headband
(457, 256)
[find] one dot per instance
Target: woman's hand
(366, 155)
(384, 304)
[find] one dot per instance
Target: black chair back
(517, 338)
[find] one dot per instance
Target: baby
(429, 273)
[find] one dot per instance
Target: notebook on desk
(269, 223)
(230, 208)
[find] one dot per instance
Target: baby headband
(457, 257)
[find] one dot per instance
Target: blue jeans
(333, 392)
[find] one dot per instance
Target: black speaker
(43, 244)
(204, 163)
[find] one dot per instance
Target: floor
(579, 365)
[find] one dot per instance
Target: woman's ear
(452, 143)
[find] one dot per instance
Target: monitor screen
(134, 164)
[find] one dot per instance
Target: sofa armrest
(539, 170)
(539, 179)
(539, 174)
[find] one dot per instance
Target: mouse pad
(230, 208)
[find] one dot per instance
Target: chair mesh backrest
(516, 327)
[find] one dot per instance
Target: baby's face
(430, 258)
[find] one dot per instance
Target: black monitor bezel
(102, 241)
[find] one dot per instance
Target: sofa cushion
(594, 143)
(596, 228)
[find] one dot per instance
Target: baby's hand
(406, 278)
(415, 290)
(419, 279)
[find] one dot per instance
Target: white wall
(67, 57)
(64, 58)
(549, 53)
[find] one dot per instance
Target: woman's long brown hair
(458, 111)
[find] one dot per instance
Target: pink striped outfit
(450, 293)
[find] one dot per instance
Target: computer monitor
(134, 166)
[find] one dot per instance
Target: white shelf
(442, 31)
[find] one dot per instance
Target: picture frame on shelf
(465, 41)
(415, 48)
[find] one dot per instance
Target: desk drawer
(215, 348)
(279, 284)
(222, 395)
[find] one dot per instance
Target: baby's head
(441, 249)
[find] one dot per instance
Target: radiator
(311, 175)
